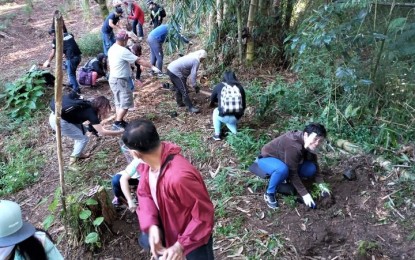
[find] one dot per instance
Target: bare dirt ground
(355, 213)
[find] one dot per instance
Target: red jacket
(137, 13)
(186, 211)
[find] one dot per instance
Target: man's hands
(308, 200)
(174, 252)
(46, 64)
(132, 205)
(154, 239)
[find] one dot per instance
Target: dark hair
(102, 105)
(31, 248)
(136, 49)
(141, 135)
(230, 78)
(316, 128)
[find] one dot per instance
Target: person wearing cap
(181, 69)
(157, 13)
(119, 60)
(155, 40)
(20, 240)
(72, 54)
(293, 157)
(108, 27)
(137, 15)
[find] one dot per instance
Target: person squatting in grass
(72, 122)
(107, 30)
(175, 212)
(72, 54)
(179, 70)
(293, 156)
(98, 66)
(231, 104)
(155, 40)
(20, 240)
(119, 60)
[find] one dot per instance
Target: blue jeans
(204, 252)
(230, 121)
(278, 171)
(108, 39)
(72, 131)
(156, 52)
(116, 186)
(71, 66)
(137, 24)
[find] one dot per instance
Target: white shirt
(119, 60)
(152, 181)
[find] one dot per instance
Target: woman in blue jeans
(293, 156)
(227, 112)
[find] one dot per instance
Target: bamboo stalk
(239, 21)
(58, 100)
(250, 48)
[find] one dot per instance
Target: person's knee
(116, 180)
(308, 169)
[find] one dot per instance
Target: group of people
(175, 212)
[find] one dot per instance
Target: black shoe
(270, 200)
(181, 104)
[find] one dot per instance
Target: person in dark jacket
(293, 156)
(107, 30)
(72, 54)
(175, 212)
(230, 118)
(98, 66)
(157, 13)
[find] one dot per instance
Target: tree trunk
(239, 21)
(219, 12)
(288, 14)
(103, 8)
(251, 23)
(104, 207)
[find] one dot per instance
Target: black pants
(204, 252)
(182, 95)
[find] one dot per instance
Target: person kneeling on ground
(75, 112)
(121, 185)
(176, 215)
(20, 239)
(293, 155)
(179, 70)
(98, 66)
(230, 96)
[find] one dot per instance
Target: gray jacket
(184, 67)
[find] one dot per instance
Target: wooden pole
(58, 100)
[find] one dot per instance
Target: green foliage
(191, 143)
(16, 171)
(232, 228)
(22, 97)
(6, 19)
(365, 248)
(246, 144)
(290, 201)
(90, 44)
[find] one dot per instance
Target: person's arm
(148, 214)
(136, 12)
(126, 175)
(147, 64)
(241, 89)
(293, 159)
(214, 95)
(112, 25)
(106, 132)
(193, 73)
(193, 194)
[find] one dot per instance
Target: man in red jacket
(136, 14)
(175, 211)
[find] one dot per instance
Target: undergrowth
(90, 44)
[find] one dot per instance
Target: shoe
(216, 137)
(115, 202)
(194, 110)
(161, 75)
(270, 200)
(181, 104)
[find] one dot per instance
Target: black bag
(72, 104)
(254, 168)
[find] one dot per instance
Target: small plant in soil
(366, 247)
(290, 201)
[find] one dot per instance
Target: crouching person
(175, 212)
(121, 185)
(293, 156)
(230, 96)
(98, 67)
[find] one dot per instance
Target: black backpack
(72, 104)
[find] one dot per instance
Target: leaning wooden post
(58, 100)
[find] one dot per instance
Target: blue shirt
(159, 33)
(106, 28)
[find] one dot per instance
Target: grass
(191, 143)
(90, 44)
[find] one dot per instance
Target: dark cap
(119, 10)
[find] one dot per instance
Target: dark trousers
(71, 66)
(204, 252)
(136, 24)
(116, 187)
(182, 95)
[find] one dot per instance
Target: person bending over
(98, 66)
(107, 30)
